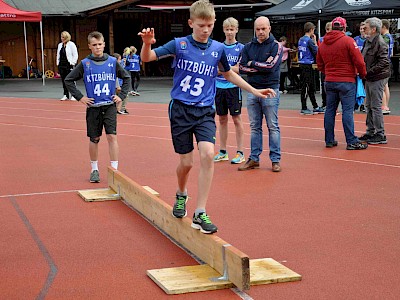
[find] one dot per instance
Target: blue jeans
(344, 92)
(257, 108)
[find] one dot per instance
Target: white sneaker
(64, 98)
(73, 98)
(285, 91)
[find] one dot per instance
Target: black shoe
(126, 112)
(179, 209)
(365, 137)
(377, 139)
(331, 144)
(362, 108)
(203, 223)
(357, 146)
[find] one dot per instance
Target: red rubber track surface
(331, 215)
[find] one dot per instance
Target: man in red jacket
(340, 60)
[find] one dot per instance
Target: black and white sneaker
(377, 139)
(357, 146)
(179, 209)
(203, 223)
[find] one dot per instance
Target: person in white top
(67, 57)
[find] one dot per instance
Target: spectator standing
(132, 64)
(261, 60)
(360, 40)
(67, 57)
(284, 64)
(307, 51)
(99, 72)
(375, 54)
(387, 37)
(121, 106)
(328, 28)
(229, 97)
(340, 60)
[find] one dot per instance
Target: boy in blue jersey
(307, 51)
(99, 72)
(132, 64)
(197, 61)
(121, 107)
(387, 37)
(229, 96)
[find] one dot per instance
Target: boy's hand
(116, 99)
(265, 93)
(87, 101)
(147, 35)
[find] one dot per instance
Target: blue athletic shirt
(389, 40)
(196, 67)
(99, 80)
(133, 63)
(307, 50)
(233, 54)
(360, 42)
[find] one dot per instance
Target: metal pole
(26, 52)
(41, 44)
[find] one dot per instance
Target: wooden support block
(188, 279)
(207, 247)
(149, 189)
(99, 195)
(268, 270)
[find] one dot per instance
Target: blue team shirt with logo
(133, 63)
(360, 42)
(233, 54)
(306, 57)
(99, 78)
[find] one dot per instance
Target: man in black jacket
(260, 60)
(375, 54)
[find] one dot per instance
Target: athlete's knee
(223, 120)
(95, 140)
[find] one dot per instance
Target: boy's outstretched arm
(240, 82)
(146, 54)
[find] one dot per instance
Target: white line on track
(164, 110)
(169, 139)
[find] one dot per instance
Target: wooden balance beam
(220, 256)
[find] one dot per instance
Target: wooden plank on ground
(99, 195)
(268, 270)
(188, 279)
(207, 247)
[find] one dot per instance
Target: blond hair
(202, 9)
(230, 22)
(133, 49)
(127, 51)
(66, 36)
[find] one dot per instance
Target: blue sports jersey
(360, 42)
(306, 57)
(388, 37)
(232, 53)
(133, 63)
(195, 72)
(100, 79)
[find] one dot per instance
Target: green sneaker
(239, 158)
(94, 176)
(221, 156)
(179, 209)
(203, 223)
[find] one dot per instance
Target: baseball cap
(339, 22)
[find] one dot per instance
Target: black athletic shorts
(228, 99)
(99, 117)
(187, 121)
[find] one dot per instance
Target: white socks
(94, 164)
(114, 164)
